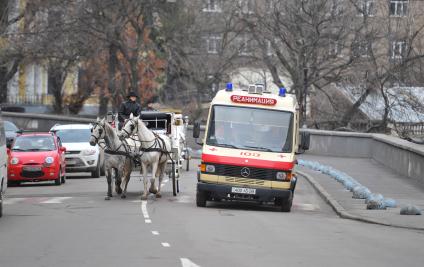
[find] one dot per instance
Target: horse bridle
(134, 126)
(101, 131)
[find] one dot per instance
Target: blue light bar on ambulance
(282, 92)
(229, 87)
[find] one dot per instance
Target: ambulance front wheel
(201, 198)
(286, 205)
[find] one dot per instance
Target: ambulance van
(249, 148)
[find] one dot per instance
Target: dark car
(10, 130)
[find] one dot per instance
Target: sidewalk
(378, 179)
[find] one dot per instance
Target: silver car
(80, 155)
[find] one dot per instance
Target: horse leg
(118, 179)
(153, 188)
(159, 174)
(144, 170)
(127, 175)
(109, 184)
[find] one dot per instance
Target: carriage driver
(128, 107)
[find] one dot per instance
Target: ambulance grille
(244, 181)
(254, 173)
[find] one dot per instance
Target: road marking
(148, 221)
(15, 200)
(306, 207)
(185, 199)
(155, 232)
(188, 263)
(166, 245)
(144, 209)
(55, 200)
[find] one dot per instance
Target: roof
(71, 126)
(406, 103)
(287, 103)
(35, 134)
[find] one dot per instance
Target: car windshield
(74, 135)
(251, 129)
(34, 143)
(10, 127)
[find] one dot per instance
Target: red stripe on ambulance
(244, 162)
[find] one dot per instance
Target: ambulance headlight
(281, 176)
(210, 168)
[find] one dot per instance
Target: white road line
(155, 232)
(148, 221)
(306, 207)
(166, 245)
(8, 201)
(188, 263)
(166, 180)
(144, 209)
(55, 200)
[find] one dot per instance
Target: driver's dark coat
(127, 108)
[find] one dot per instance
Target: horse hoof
(158, 195)
(119, 191)
(107, 198)
(123, 196)
(153, 190)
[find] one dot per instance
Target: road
(72, 225)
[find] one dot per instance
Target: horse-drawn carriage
(174, 126)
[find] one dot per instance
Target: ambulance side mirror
(196, 129)
(305, 140)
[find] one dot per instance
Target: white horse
(155, 151)
(115, 158)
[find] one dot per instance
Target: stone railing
(401, 156)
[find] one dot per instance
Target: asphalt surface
(72, 225)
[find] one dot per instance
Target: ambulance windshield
(251, 129)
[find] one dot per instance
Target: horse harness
(157, 146)
(106, 147)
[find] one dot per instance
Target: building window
(362, 49)
(398, 49)
(269, 49)
(213, 43)
(398, 8)
(212, 6)
(246, 47)
(366, 8)
(337, 7)
(247, 6)
(334, 48)
(270, 6)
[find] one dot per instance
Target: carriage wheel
(174, 189)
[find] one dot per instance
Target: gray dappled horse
(155, 151)
(119, 164)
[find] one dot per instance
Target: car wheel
(201, 198)
(96, 173)
(58, 181)
(13, 183)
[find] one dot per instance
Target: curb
(341, 212)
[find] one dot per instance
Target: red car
(36, 157)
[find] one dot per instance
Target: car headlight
(89, 152)
(49, 160)
(14, 161)
(210, 168)
(280, 176)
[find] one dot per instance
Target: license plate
(71, 162)
(32, 168)
(240, 190)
